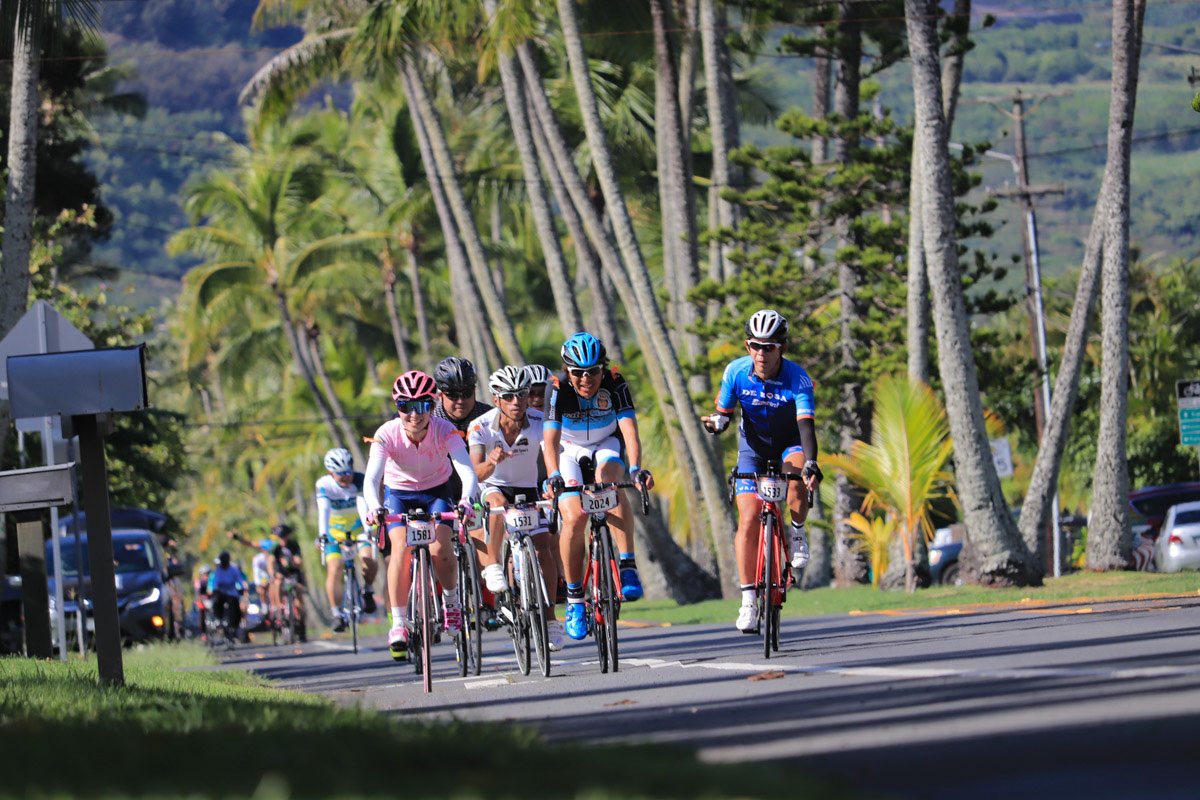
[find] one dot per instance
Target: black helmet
(223, 558)
(455, 374)
(282, 530)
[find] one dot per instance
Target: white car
(1178, 545)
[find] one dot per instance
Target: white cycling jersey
(343, 507)
(259, 568)
(522, 468)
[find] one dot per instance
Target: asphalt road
(1096, 700)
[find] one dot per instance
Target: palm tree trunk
(300, 360)
(952, 70)
(443, 166)
(823, 66)
(918, 278)
(644, 314)
(689, 12)
(1110, 541)
(22, 172)
(482, 345)
(994, 553)
(539, 202)
(497, 237)
(317, 359)
(399, 334)
(723, 127)
(418, 299)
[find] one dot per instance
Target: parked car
(1178, 544)
(145, 582)
(1152, 502)
(943, 556)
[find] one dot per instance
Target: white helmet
(537, 374)
(767, 325)
(338, 460)
(508, 379)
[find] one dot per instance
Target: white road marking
(487, 683)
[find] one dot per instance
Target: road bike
(351, 607)
(291, 623)
(424, 601)
(468, 643)
(603, 603)
(524, 607)
(773, 569)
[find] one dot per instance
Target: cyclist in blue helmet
(586, 408)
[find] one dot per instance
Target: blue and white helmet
(584, 350)
(338, 461)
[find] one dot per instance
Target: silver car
(1178, 545)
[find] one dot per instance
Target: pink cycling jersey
(416, 467)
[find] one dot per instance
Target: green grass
(181, 728)
(865, 598)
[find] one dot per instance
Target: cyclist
(583, 414)
(456, 380)
(262, 572)
(505, 444)
(226, 584)
(776, 396)
(287, 565)
(341, 509)
(412, 455)
(200, 590)
(540, 379)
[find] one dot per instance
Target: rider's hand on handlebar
(556, 484)
(716, 423)
(812, 475)
(377, 516)
(467, 510)
(642, 476)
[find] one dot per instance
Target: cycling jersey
(416, 467)
(521, 468)
(226, 581)
(259, 567)
(588, 421)
(464, 424)
(340, 509)
(770, 408)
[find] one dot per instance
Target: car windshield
(1187, 517)
(1157, 506)
(129, 555)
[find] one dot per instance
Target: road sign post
(1187, 395)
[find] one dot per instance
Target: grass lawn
(179, 728)
(865, 598)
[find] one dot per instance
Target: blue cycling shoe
(631, 584)
(576, 620)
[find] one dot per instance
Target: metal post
(100, 550)
(80, 594)
(35, 599)
(60, 616)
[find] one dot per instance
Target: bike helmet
(338, 460)
(267, 544)
(508, 379)
(205, 569)
(537, 374)
(223, 558)
(767, 325)
(282, 530)
(413, 385)
(584, 350)
(455, 374)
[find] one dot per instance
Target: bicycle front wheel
(532, 587)
(609, 604)
(425, 604)
(765, 600)
(351, 603)
(472, 605)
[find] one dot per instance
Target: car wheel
(951, 575)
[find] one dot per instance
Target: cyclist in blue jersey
(583, 414)
(776, 397)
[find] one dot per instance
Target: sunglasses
(423, 406)
(458, 395)
(538, 391)
(510, 396)
(589, 372)
(756, 345)
(345, 474)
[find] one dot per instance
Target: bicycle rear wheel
(532, 589)
(425, 604)
(351, 603)
(610, 605)
(765, 599)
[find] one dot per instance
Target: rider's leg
(333, 580)
(444, 566)
(621, 518)
(399, 575)
(549, 564)
(489, 559)
(793, 461)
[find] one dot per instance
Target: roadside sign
(1187, 394)
(1002, 457)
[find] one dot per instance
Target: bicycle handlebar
(601, 486)
(734, 475)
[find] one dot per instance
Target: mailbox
(78, 382)
(40, 487)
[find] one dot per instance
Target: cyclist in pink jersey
(409, 455)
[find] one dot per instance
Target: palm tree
(1043, 483)
(904, 467)
(723, 125)
(994, 550)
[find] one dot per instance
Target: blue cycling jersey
(770, 408)
(226, 580)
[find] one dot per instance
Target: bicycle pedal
(753, 632)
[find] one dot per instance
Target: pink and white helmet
(413, 385)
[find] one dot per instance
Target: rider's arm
(324, 508)
(466, 472)
(551, 437)
(373, 477)
(808, 437)
(479, 460)
(633, 444)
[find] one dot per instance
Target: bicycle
(424, 604)
(603, 606)
(772, 567)
(289, 623)
(524, 605)
(468, 643)
(351, 588)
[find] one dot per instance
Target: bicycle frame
(521, 522)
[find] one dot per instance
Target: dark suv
(1152, 502)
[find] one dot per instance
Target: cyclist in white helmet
(341, 516)
(540, 381)
(505, 445)
(776, 396)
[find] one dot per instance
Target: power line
(1135, 140)
(282, 421)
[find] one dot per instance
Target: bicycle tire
(594, 608)
(293, 623)
(425, 576)
(608, 598)
(351, 603)
(523, 600)
(472, 602)
(765, 604)
(413, 622)
(533, 587)
(461, 642)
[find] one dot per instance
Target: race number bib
(597, 502)
(420, 532)
(520, 520)
(772, 490)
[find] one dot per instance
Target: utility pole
(1025, 193)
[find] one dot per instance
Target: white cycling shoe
(493, 576)
(799, 550)
(555, 633)
(747, 618)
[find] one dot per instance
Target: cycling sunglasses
(755, 344)
(581, 372)
(345, 474)
(510, 396)
(422, 406)
(459, 395)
